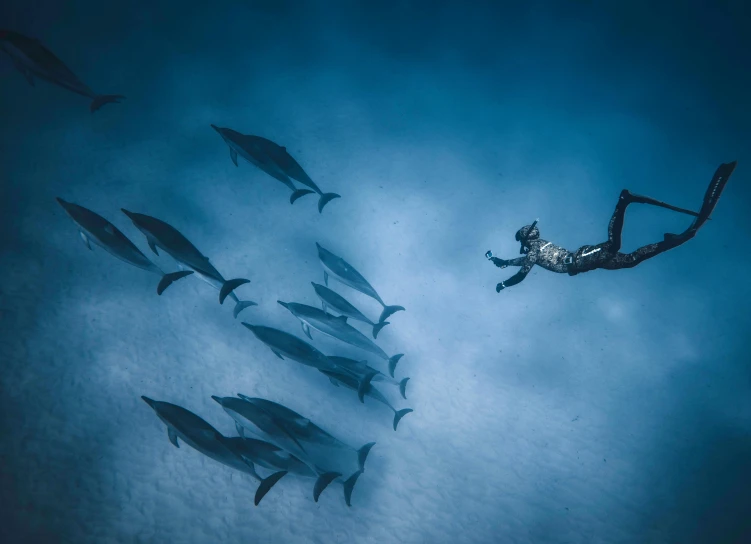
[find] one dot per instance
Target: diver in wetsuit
(607, 255)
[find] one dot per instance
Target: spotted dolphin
(200, 435)
(33, 59)
(95, 228)
(337, 327)
(332, 299)
(283, 344)
(358, 369)
(344, 272)
(160, 234)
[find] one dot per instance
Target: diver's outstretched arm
(519, 276)
(503, 263)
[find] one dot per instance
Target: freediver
(607, 255)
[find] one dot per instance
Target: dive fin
(388, 310)
(306, 330)
(229, 286)
(400, 414)
(297, 194)
(362, 454)
(349, 486)
(403, 388)
(267, 484)
(714, 191)
(364, 386)
(326, 278)
(233, 155)
(378, 326)
(101, 100)
(325, 199)
(241, 305)
(152, 245)
(168, 279)
(85, 239)
(322, 483)
(392, 363)
(172, 435)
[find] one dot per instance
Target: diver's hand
(500, 287)
(500, 263)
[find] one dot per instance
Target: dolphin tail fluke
(241, 305)
(323, 482)
(101, 100)
(325, 199)
(169, 279)
(362, 455)
(400, 414)
(364, 386)
(349, 485)
(388, 310)
(377, 328)
(403, 388)
(393, 361)
(297, 194)
(267, 484)
(229, 286)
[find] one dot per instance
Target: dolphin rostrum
(289, 166)
(199, 434)
(337, 327)
(33, 59)
(247, 147)
(344, 272)
(95, 228)
(358, 369)
(332, 299)
(160, 234)
(350, 382)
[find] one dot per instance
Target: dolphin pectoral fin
(324, 307)
(393, 361)
(334, 382)
(168, 279)
(400, 414)
(110, 229)
(172, 435)
(233, 156)
(349, 485)
(267, 484)
(229, 286)
(362, 454)
(85, 239)
(277, 354)
(364, 386)
(326, 278)
(251, 466)
(240, 429)
(322, 483)
(306, 330)
(297, 194)
(302, 422)
(152, 246)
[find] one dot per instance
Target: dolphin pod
(332, 299)
(32, 59)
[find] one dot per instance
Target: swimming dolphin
(258, 421)
(289, 345)
(160, 234)
(358, 369)
(247, 147)
(345, 273)
(289, 166)
(31, 58)
(200, 435)
(332, 299)
(350, 382)
(95, 228)
(337, 327)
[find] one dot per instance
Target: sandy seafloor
(612, 407)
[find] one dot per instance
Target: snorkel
(523, 240)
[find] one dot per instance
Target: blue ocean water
(608, 407)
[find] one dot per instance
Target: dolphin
(291, 168)
(337, 327)
(247, 147)
(289, 345)
(33, 59)
(350, 382)
(95, 228)
(160, 234)
(256, 420)
(358, 369)
(200, 435)
(344, 272)
(332, 299)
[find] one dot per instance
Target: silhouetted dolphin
(289, 345)
(258, 421)
(332, 299)
(347, 380)
(289, 166)
(345, 273)
(95, 228)
(248, 148)
(358, 369)
(160, 234)
(31, 58)
(337, 327)
(200, 435)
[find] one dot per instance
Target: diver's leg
(615, 227)
(630, 260)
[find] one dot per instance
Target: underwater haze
(608, 407)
